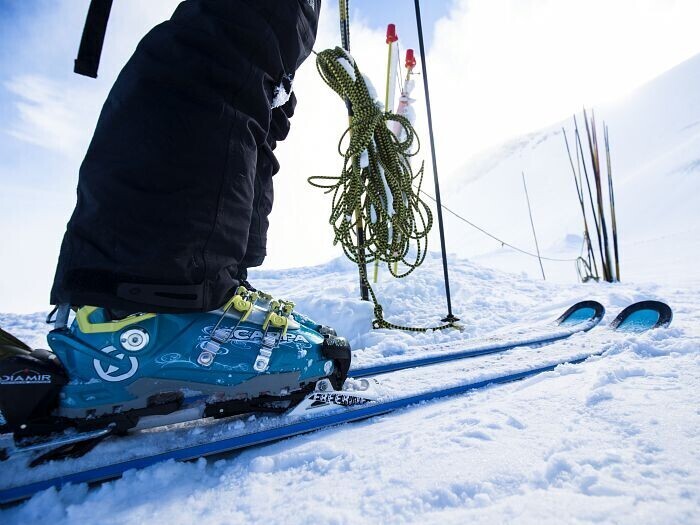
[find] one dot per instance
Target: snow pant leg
(266, 167)
(256, 248)
(166, 190)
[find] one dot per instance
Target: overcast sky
(497, 68)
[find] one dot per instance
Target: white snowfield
(615, 439)
(655, 150)
(612, 440)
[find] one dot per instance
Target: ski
(323, 408)
(581, 317)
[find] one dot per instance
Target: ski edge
(245, 441)
(583, 326)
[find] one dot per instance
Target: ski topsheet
(580, 317)
(113, 457)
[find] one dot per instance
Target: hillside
(655, 144)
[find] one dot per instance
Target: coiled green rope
(376, 187)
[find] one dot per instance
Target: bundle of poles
(608, 261)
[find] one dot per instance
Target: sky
(498, 68)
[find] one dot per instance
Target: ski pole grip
(90, 50)
(391, 34)
(410, 59)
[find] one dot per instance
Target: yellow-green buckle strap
(83, 314)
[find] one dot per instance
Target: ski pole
(450, 318)
(590, 196)
(345, 39)
(612, 202)
(532, 223)
(392, 59)
(593, 146)
(579, 193)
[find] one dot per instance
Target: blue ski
(635, 318)
(581, 317)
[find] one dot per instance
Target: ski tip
(643, 316)
(581, 312)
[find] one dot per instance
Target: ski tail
(643, 316)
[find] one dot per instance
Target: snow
(615, 439)
(387, 195)
(654, 140)
(281, 95)
(372, 91)
(348, 67)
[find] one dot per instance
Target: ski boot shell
(248, 356)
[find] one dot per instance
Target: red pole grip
(410, 59)
(391, 34)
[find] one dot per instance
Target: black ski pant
(176, 186)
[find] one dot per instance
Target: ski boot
(252, 355)
(297, 316)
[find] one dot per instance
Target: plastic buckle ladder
(277, 316)
(243, 301)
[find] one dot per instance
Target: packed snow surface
(614, 439)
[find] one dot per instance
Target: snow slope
(655, 147)
(611, 440)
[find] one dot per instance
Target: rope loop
(377, 188)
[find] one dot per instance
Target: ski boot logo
(25, 377)
(134, 340)
(108, 373)
(247, 335)
(325, 398)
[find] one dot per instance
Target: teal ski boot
(251, 355)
